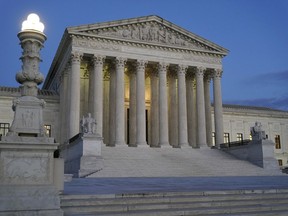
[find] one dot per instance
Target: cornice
(148, 45)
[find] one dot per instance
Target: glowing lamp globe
(33, 23)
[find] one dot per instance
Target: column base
(141, 144)
(155, 146)
(184, 145)
(164, 144)
(119, 143)
(132, 145)
(110, 145)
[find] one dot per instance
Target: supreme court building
(146, 82)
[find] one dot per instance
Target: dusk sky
(254, 31)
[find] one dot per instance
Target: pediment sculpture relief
(150, 32)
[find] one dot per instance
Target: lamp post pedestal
(27, 174)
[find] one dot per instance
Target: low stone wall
(83, 155)
(258, 152)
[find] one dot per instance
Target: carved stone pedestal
(26, 177)
(83, 155)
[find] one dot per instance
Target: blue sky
(254, 31)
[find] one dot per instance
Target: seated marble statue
(257, 132)
(88, 124)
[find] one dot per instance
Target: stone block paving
(88, 186)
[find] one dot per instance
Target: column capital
(200, 71)
(218, 73)
(120, 61)
(208, 77)
(182, 69)
(76, 57)
(162, 67)
(141, 65)
(98, 60)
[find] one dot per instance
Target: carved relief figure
(27, 119)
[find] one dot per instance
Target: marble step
(153, 204)
(167, 162)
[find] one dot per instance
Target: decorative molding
(76, 57)
(141, 65)
(218, 73)
(116, 45)
(162, 67)
(98, 60)
(181, 70)
(200, 71)
(152, 32)
(120, 62)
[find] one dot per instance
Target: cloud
(279, 103)
(276, 77)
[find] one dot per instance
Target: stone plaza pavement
(172, 184)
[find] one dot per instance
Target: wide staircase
(123, 161)
(272, 202)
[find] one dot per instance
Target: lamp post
(31, 39)
(29, 175)
(28, 118)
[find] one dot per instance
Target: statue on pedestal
(88, 125)
(257, 132)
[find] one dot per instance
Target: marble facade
(108, 68)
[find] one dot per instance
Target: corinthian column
(154, 110)
(208, 117)
(74, 102)
(191, 107)
(200, 107)
(63, 104)
(163, 109)
(132, 105)
(140, 104)
(182, 107)
(97, 94)
(172, 108)
(120, 115)
(112, 109)
(218, 113)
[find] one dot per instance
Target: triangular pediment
(150, 30)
